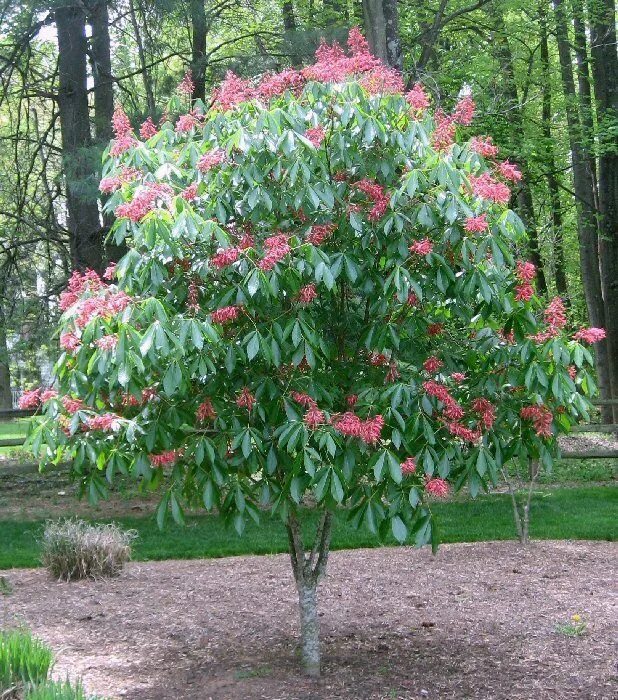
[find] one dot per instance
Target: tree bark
(550, 165)
(146, 78)
(523, 193)
(375, 28)
(5, 370)
(308, 567)
(602, 15)
(98, 17)
(394, 54)
(309, 628)
(198, 49)
(584, 194)
(82, 210)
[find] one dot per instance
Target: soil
(475, 621)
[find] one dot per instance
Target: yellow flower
(576, 618)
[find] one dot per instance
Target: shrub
(323, 296)
(23, 659)
(74, 549)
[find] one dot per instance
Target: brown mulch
(476, 621)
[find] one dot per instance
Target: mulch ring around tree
(475, 621)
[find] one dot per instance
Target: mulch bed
(476, 621)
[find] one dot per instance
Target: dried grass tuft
(73, 549)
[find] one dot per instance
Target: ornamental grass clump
(74, 549)
(323, 301)
(23, 659)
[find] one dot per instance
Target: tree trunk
(394, 55)
(375, 28)
(82, 210)
(5, 371)
(550, 165)
(586, 219)
(146, 78)
(308, 566)
(309, 628)
(101, 62)
(98, 17)
(602, 15)
(523, 193)
(198, 49)
(289, 20)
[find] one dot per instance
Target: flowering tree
(321, 306)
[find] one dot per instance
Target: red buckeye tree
(321, 307)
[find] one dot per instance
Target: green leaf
(400, 531)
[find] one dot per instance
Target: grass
(587, 513)
(16, 428)
(23, 659)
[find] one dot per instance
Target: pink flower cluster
(274, 84)
(107, 422)
(78, 284)
(476, 224)
(107, 342)
(350, 424)
(211, 159)
(225, 257)
(30, 399)
(72, 405)
(319, 233)
(226, 314)
(185, 123)
(464, 111)
(443, 135)
(432, 364)
(541, 418)
(382, 80)
(101, 306)
(313, 416)
(186, 85)
(509, 171)
(333, 66)
(458, 377)
(408, 466)
(484, 146)
(277, 247)
(115, 182)
(145, 201)
(417, 99)
(422, 247)
(315, 136)
(377, 194)
(205, 411)
(165, 459)
(231, 92)
(485, 187)
(436, 486)
(148, 129)
(190, 192)
(590, 335)
(70, 342)
(246, 399)
(110, 272)
(307, 294)
(486, 410)
(526, 272)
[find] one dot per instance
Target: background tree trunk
(523, 193)
(198, 49)
(550, 165)
(375, 28)
(5, 372)
(586, 219)
(602, 15)
(82, 211)
(394, 54)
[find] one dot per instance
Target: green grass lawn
(16, 428)
(574, 513)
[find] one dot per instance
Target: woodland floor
(475, 621)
